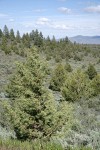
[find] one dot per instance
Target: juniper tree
(96, 85)
(58, 78)
(76, 86)
(91, 71)
(32, 109)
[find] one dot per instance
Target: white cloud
(93, 9)
(3, 15)
(11, 20)
(61, 26)
(53, 24)
(38, 23)
(42, 21)
(64, 10)
(39, 10)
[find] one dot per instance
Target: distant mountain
(86, 39)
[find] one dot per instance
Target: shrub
(96, 85)
(58, 59)
(58, 78)
(77, 58)
(76, 86)
(32, 109)
(68, 67)
(91, 71)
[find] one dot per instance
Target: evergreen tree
(18, 38)
(66, 39)
(76, 86)
(12, 36)
(41, 35)
(32, 109)
(40, 39)
(54, 42)
(36, 37)
(32, 35)
(13, 47)
(4, 45)
(53, 39)
(1, 33)
(91, 71)
(48, 39)
(26, 40)
(27, 43)
(6, 32)
(96, 84)
(58, 78)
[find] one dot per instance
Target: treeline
(14, 42)
(57, 49)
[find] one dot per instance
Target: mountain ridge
(85, 39)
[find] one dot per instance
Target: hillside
(86, 39)
(54, 95)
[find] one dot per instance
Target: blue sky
(53, 17)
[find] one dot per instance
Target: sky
(52, 17)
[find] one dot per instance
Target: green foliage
(76, 86)
(48, 58)
(98, 62)
(36, 145)
(91, 71)
(26, 40)
(6, 31)
(80, 148)
(13, 47)
(37, 38)
(1, 33)
(58, 59)
(5, 46)
(18, 38)
(4, 43)
(66, 39)
(96, 84)
(32, 109)
(29, 76)
(12, 36)
(77, 58)
(94, 103)
(3, 120)
(68, 67)
(58, 78)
